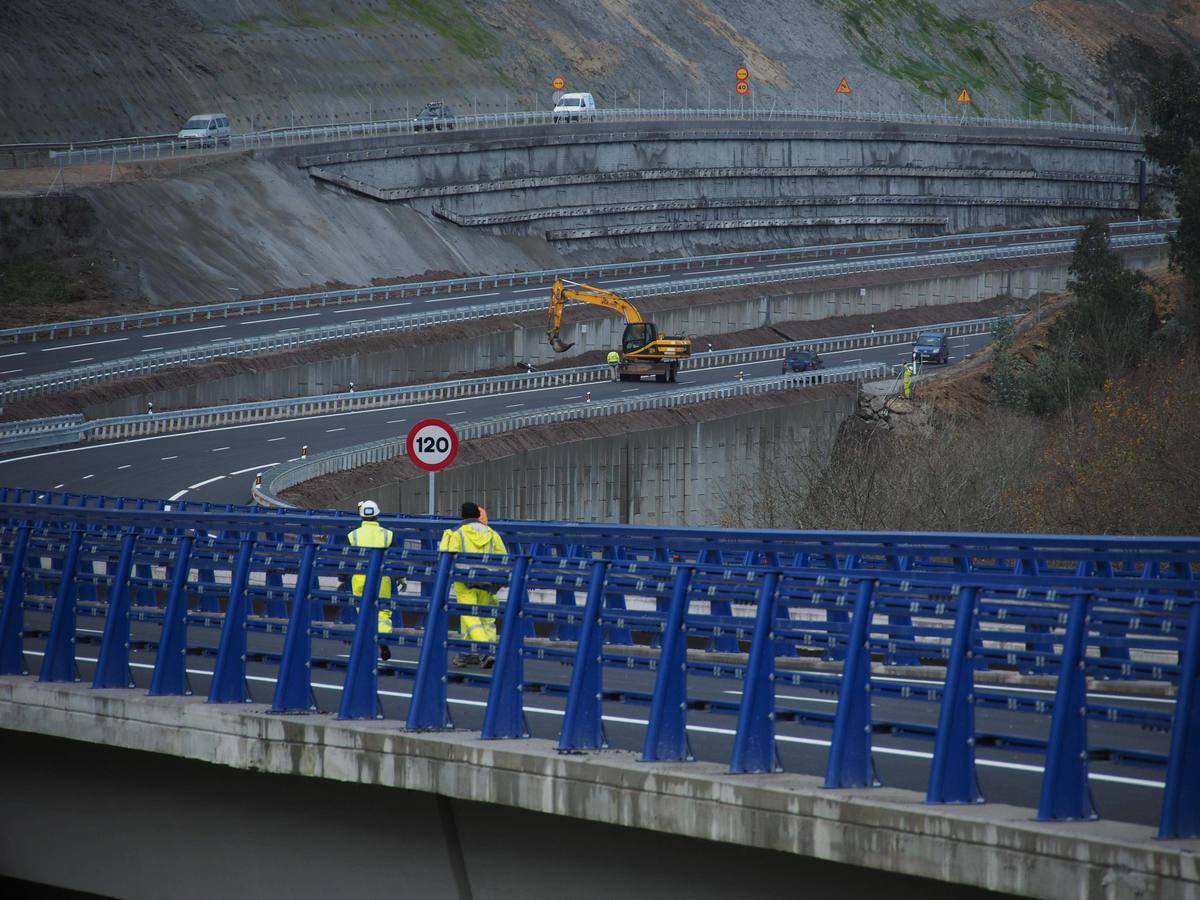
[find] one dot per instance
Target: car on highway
(801, 361)
(574, 107)
(931, 346)
(205, 130)
(436, 116)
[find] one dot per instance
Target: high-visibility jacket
(370, 534)
(475, 537)
(613, 357)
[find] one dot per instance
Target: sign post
(432, 445)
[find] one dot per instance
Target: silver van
(206, 130)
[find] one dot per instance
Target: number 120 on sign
(432, 444)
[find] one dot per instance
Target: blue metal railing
(681, 609)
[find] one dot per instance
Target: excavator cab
(637, 335)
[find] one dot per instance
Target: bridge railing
(705, 620)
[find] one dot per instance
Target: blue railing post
(360, 695)
(1065, 793)
(59, 661)
(1181, 798)
(112, 666)
(229, 674)
(952, 775)
(170, 663)
(850, 763)
(505, 713)
(12, 617)
(583, 728)
(666, 732)
(293, 689)
(754, 743)
(429, 707)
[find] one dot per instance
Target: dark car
(801, 361)
(436, 116)
(931, 346)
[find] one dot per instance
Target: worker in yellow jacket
(474, 535)
(371, 534)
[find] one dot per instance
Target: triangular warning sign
(964, 96)
(843, 87)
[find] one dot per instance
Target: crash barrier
(682, 613)
(32, 433)
(129, 367)
(178, 314)
(155, 147)
(347, 458)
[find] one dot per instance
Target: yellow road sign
(843, 87)
(742, 73)
(742, 87)
(964, 96)
(559, 83)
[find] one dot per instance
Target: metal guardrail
(149, 150)
(175, 315)
(380, 451)
(64, 429)
(132, 366)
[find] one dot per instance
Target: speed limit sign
(432, 444)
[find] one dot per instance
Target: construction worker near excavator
(475, 536)
(371, 534)
(614, 363)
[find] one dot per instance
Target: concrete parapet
(991, 846)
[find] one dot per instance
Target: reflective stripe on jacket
(370, 534)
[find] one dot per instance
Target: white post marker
(432, 445)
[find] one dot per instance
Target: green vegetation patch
(451, 20)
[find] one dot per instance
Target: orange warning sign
(843, 87)
(742, 73)
(742, 87)
(558, 83)
(964, 96)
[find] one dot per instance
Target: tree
(1175, 115)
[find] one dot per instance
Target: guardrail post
(1181, 797)
(838, 616)
(952, 776)
(293, 689)
(505, 713)
(583, 728)
(112, 666)
(229, 674)
(59, 662)
(429, 707)
(565, 631)
(1065, 792)
(850, 763)
(754, 744)
(12, 617)
(170, 663)
(360, 695)
(666, 732)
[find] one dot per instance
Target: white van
(573, 107)
(206, 129)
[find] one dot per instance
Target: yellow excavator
(643, 350)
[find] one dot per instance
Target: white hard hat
(368, 508)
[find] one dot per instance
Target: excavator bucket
(557, 343)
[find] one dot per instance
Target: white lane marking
(183, 331)
(219, 449)
(255, 321)
(574, 397)
(178, 494)
(57, 486)
(200, 484)
(296, 459)
(152, 349)
(705, 729)
(458, 297)
(88, 344)
(640, 278)
(254, 468)
(628, 390)
(834, 678)
(9, 355)
(545, 289)
(461, 412)
(360, 309)
(83, 359)
(332, 430)
(126, 466)
(395, 421)
(272, 440)
(513, 405)
(86, 477)
(165, 458)
(10, 372)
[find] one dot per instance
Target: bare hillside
(120, 67)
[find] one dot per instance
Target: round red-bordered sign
(742, 87)
(432, 444)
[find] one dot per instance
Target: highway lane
(219, 465)
(1124, 793)
(45, 357)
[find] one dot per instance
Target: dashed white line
(253, 468)
(219, 449)
(83, 359)
(271, 440)
(88, 344)
(395, 421)
(332, 430)
(513, 405)
(86, 477)
(629, 390)
(183, 331)
(152, 349)
(178, 494)
(10, 372)
(165, 458)
(126, 466)
(280, 318)
(361, 309)
(200, 484)
(8, 355)
(57, 486)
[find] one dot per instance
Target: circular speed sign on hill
(432, 444)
